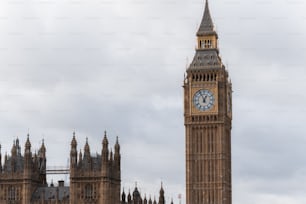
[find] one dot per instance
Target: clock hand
(204, 98)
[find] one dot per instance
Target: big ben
(208, 118)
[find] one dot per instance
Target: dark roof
(136, 193)
(92, 162)
(205, 59)
(207, 25)
(50, 193)
(18, 164)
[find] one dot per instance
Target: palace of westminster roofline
(93, 178)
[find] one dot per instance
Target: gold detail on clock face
(203, 100)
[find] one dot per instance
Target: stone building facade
(208, 121)
(21, 175)
(93, 179)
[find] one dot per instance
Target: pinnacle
(206, 26)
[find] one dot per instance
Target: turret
(13, 157)
(161, 195)
(129, 198)
(87, 157)
(42, 150)
(14, 150)
(28, 155)
(117, 151)
(5, 162)
(42, 164)
(105, 148)
(105, 156)
(80, 159)
(145, 200)
(27, 172)
(111, 163)
(136, 196)
(73, 153)
(18, 147)
(86, 149)
(117, 160)
(123, 197)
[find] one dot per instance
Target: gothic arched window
(12, 193)
(88, 191)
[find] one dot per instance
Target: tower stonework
(208, 116)
(95, 179)
(21, 175)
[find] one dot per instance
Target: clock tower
(208, 116)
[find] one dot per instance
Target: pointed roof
(86, 148)
(28, 143)
(105, 141)
(43, 147)
(207, 25)
(117, 146)
(161, 191)
(73, 141)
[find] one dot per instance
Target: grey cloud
(95, 65)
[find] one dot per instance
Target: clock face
(203, 100)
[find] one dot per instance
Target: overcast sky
(95, 65)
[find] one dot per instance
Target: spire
(18, 147)
(136, 195)
(105, 149)
(129, 197)
(87, 161)
(80, 158)
(207, 25)
(145, 201)
(73, 152)
(111, 157)
(117, 146)
(28, 144)
(42, 150)
(123, 196)
(207, 51)
(117, 153)
(161, 189)
(14, 149)
(35, 160)
(73, 141)
(154, 202)
(161, 195)
(86, 149)
(105, 141)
